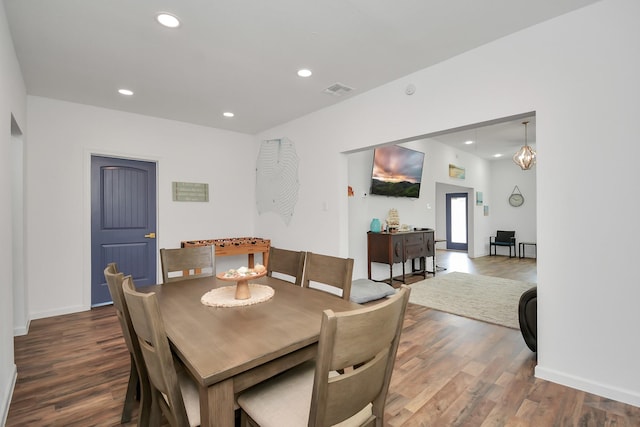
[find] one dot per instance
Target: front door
(457, 221)
(123, 222)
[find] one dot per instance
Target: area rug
(490, 299)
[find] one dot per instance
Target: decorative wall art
(190, 192)
(456, 171)
(277, 178)
(479, 201)
(486, 210)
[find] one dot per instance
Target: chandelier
(525, 157)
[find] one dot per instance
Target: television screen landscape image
(397, 171)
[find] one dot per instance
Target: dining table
(228, 349)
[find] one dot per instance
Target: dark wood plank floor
(450, 371)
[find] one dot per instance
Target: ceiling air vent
(338, 89)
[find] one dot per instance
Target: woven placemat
(226, 296)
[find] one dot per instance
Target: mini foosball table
(236, 246)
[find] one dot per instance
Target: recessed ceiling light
(469, 142)
(126, 92)
(228, 114)
(497, 155)
(168, 20)
(304, 72)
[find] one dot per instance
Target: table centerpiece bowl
(242, 282)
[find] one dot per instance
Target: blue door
(457, 221)
(123, 222)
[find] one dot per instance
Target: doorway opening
(20, 317)
(457, 221)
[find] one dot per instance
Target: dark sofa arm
(528, 317)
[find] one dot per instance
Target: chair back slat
(286, 262)
(138, 376)
(154, 344)
(187, 263)
(328, 270)
(363, 344)
(114, 283)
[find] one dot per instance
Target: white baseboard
(21, 330)
(8, 394)
(58, 312)
(629, 397)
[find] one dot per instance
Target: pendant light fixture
(526, 156)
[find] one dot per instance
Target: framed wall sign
(190, 192)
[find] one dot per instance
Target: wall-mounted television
(397, 171)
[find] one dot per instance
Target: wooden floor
(497, 266)
(450, 371)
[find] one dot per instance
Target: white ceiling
(242, 55)
(503, 136)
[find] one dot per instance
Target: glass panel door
(457, 216)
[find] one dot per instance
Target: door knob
(150, 235)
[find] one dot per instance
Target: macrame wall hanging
(277, 178)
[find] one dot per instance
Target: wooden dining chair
(286, 262)
(173, 392)
(328, 270)
(187, 263)
(363, 343)
(138, 385)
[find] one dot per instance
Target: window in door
(457, 217)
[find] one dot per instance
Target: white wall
(12, 103)
(579, 73)
(505, 175)
(426, 211)
(362, 209)
(62, 137)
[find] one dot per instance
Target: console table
(399, 247)
(236, 246)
